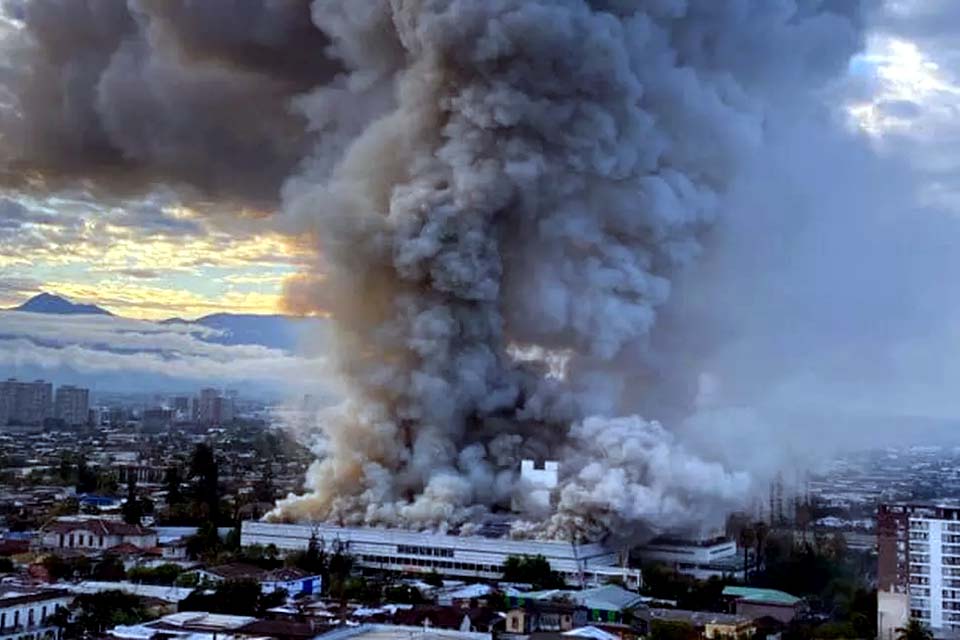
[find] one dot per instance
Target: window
(71, 539)
(30, 617)
(3, 620)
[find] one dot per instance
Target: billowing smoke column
(500, 192)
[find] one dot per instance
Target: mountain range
(273, 331)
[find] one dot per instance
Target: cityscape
(479, 320)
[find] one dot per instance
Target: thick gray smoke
(501, 192)
(545, 170)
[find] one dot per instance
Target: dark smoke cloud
(499, 188)
(122, 96)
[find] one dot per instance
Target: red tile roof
(97, 527)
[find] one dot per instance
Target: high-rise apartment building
(25, 403)
(212, 408)
(919, 557)
(72, 405)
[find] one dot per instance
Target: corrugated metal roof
(765, 596)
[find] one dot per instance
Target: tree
(747, 538)
(915, 630)
(205, 541)
(535, 571)
(94, 613)
(109, 569)
(433, 579)
(171, 482)
(132, 509)
(234, 597)
(761, 531)
(165, 574)
(86, 478)
(672, 630)
(836, 547)
(403, 594)
(804, 515)
(206, 474)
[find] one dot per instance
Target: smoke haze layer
(502, 196)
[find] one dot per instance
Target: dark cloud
(142, 274)
(123, 96)
(14, 215)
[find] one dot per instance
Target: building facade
(95, 535)
(919, 556)
(424, 552)
(72, 405)
(701, 559)
(25, 403)
(25, 615)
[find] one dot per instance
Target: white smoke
(540, 174)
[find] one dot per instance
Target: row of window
(433, 564)
(14, 620)
(78, 540)
(425, 551)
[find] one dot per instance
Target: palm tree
(747, 539)
(915, 630)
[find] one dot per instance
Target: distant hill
(49, 303)
(287, 333)
(274, 331)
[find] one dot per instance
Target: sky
(152, 257)
(148, 253)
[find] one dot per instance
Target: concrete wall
(893, 612)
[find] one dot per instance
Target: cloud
(97, 347)
(13, 215)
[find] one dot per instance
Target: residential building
(72, 405)
(755, 603)
(708, 625)
(25, 403)
(473, 556)
(95, 535)
(212, 408)
(538, 616)
(919, 555)
(294, 581)
(26, 614)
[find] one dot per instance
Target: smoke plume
(502, 195)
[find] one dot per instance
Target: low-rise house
(535, 615)
(27, 613)
(609, 604)
(291, 579)
(708, 625)
(95, 535)
(756, 603)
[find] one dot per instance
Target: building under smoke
(480, 555)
